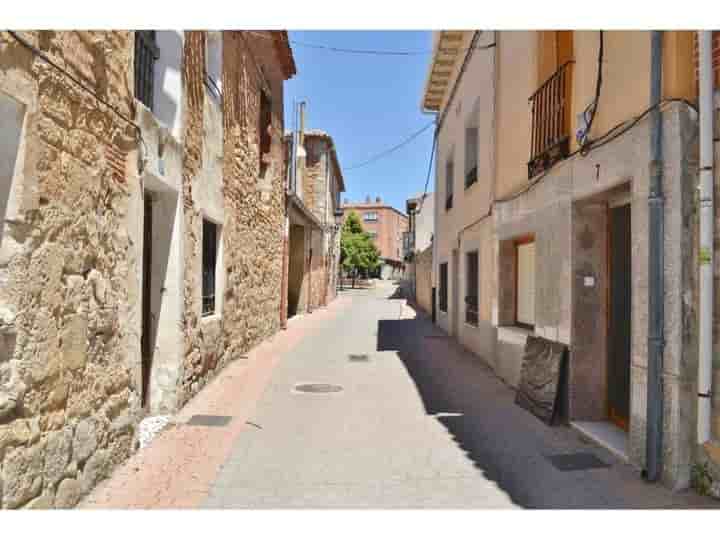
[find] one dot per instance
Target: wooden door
(619, 327)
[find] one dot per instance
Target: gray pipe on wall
(656, 283)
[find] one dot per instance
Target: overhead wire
(37, 52)
(392, 149)
(375, 52)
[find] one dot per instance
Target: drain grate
(210, 420)
(579, 461)
(439, 336)
(358, 357)
(317, 388)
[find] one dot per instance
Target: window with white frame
(471, 156)
(443, 296)
(449, 183)
(525, 284)
(472, 286)
(370, 216)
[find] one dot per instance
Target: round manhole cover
(317, 388)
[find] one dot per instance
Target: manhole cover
(358, 357)
(317, 388)
(579, 461)
(209, 420)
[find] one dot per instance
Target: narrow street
(418, 423)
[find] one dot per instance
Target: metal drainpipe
(706, 237)
(656, 284)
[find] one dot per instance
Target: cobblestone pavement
(419, 423)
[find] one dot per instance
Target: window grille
(209, 263)
(443, 287)
(472, 285)
(146, 52)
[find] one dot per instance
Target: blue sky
(367, 104)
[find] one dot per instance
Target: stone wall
(252, 230)
(67, 398)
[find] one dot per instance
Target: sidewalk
(178, 467)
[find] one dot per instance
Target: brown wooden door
(145, 340)
(619, 331)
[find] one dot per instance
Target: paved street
(419, 423)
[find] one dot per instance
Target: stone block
(96, 469)
(58, 451)
(68, 493)
(43, 502)
(85, 441)
(74, 342)
(22, 475)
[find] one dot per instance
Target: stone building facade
(105, 200)
(314, 239)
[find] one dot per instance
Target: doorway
(619, 315)
(296, 268)
(146, 316)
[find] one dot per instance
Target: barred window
(443, 287)
(264, 138)
(472, 285)
(209, 263)
(146, 52)
(449, 180)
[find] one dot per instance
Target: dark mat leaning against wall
(543, 380)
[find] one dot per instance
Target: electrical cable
(374, 52)
(596, 101)
(429, 173)
(609, 136)
(37, 52)
(391, 150)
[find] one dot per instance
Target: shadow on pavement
(505, 442)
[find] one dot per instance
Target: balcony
(550, 106)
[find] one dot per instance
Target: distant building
(313, 251)
(386, 226)
(417, 248)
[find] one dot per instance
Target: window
(443, 287)
(472, 284)
(449, 176)
(370, 216)
(372, 235)
(209, 263)
(264, 137)
(471, 156)
(213, 64)
(525, 282)
(146, 52)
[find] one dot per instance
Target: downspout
(706, 236)
(656, 284)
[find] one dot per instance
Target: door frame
(616, 419)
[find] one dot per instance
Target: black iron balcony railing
(471, 310)
(550, 105)
(471, 177)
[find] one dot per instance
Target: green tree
(358, 252)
